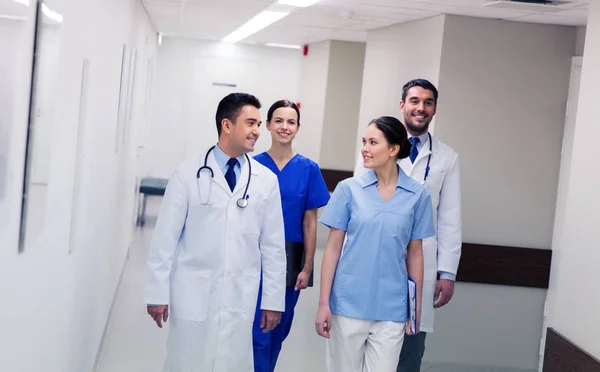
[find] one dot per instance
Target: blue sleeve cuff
(448, 276)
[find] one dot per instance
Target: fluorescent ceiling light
(51, 14)
(289, 46)
(24, 2)
(13, 17)
(298, 3)
(254, 25)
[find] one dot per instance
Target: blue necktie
(413, 150)
(230, 174)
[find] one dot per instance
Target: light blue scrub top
(371, 279)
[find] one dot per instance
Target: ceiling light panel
(254, 25)
(298, 3)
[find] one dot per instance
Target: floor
(133, 343)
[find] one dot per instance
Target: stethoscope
(428, 159)
(241, 202)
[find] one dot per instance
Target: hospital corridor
(132, 343)
(299, 185)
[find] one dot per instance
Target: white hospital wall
(185, 99)
(580, 44)
(395, 55)
(342, 105)
(16, 37)
(59, 302)
(573, 300)
(503, 90)
(312, 92)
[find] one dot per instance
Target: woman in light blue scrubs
(383, 215)
(303, 191)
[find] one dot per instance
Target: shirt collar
(404, 182)
(222, 158)
(422, 138)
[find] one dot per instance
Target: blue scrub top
(371, 279)
(302, 188)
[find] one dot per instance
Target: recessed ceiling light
(254, 25)
(298, 3)
(288, 46)
(525, 6)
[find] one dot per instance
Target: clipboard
(412, 304)
(295, 263)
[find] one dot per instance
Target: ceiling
(335, 19)
(14, 10)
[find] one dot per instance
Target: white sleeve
(169, 226)
(449, 223)
(359, 168)
(273, 257)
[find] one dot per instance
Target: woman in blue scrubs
(383, 215)
(303, 191)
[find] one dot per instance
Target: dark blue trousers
(267, 346)
(411, 356)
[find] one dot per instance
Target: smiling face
(284, 125)
(418, 110)
(245, 131)
(376, 150)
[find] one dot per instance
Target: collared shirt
(422, 139)
(222, 158)
(371, 277)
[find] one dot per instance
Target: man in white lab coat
(220, 225)
(435, 164)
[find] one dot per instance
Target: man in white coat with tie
(220, 228)
(436, 165)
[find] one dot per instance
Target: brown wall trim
(487, 264)
(512, 266)
(562, 355)
(333, 176)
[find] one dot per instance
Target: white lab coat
(441, 252)
(205, 263)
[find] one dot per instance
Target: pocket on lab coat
(252, 216)
(190, 292)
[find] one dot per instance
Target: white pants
(357, 345)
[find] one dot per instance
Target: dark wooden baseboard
(512, 266)
(562, 355)
(487, 264)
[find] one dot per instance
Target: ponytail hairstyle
(394, 133)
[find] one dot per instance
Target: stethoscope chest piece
(242, 202)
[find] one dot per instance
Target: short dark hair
(394, 133)
(423, 83)
(280, 104)
(231, 105)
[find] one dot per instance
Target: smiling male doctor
(208, 249)
(435, 164)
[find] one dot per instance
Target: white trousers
(357, 345)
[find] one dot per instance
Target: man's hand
(159, 314)
(302, 281)
(445, 288)
(269, 320)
